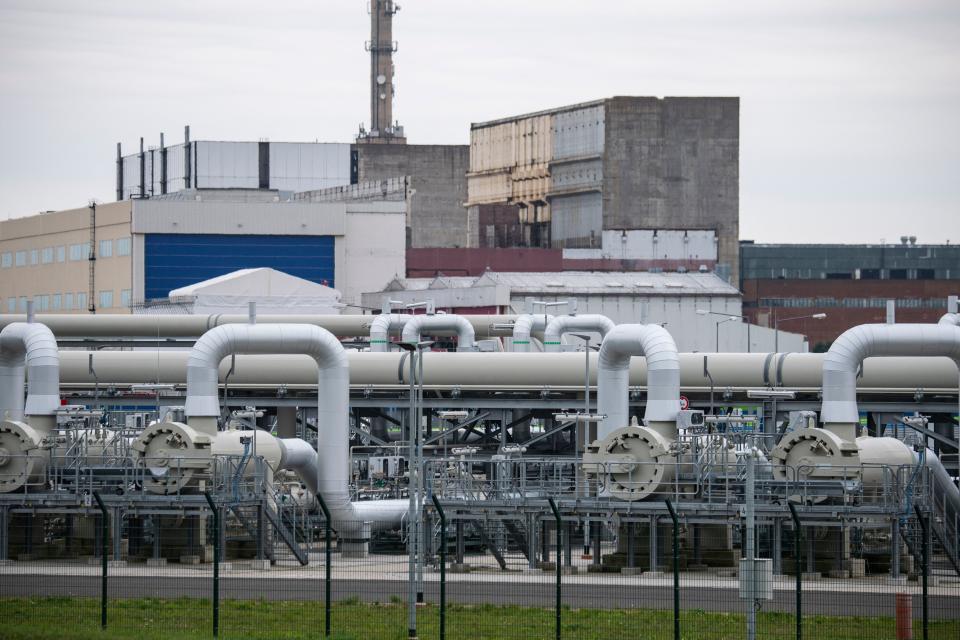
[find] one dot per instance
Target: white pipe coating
(332, 457)
(849, 351)
(524, 326)
(950, 319)
(29, 347)
(560, 325)
(381, 328)
(613, 375)
(418, 325)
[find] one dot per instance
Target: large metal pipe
(951, 319)
(839, 411)
(382, 327)
(32, 348)
(656, 345)
(333, 395)
(799, 371)
(436, 324)
(593, 323)
(524, 326)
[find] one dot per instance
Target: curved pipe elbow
(560, 325)
(950, 319)
(29, 349)
(418, 325)
(383, 326)
(524, 326)
(843, 360)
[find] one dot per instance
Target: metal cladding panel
(578, 133)
(492, 148)
(576, 220)
(298, 166)
(534, 141)
(131, 176)
(225, 165)
(177, 260)
(175, 165)
(587, 174)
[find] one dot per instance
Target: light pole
(415, 349)
(776, 325)
(729, 317)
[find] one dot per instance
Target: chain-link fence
(209, 564)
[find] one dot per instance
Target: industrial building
(851, 284)
(109, 258)
(624, 178)
(699, 309)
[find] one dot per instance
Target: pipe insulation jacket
(593, 323)
(433, 324)
(333, 394)
(29, 348)
(508, 370)
(843, 360)
(525, 325)
(950, 319)
(382, 327)
(654, 343)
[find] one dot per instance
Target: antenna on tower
(382, 46)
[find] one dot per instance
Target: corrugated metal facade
(225, 165)
(177, 260)
(576, 220)
(578, 133)
(296, 166)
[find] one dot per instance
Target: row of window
(852, 303)
(45, 303)
(49, 255)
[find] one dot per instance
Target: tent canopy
(273, 291)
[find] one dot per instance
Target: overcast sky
(849, 113)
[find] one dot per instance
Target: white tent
(275, 292)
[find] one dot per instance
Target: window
(23, 304)
(61, 254)
(126, 297)
(76, 252)
(55, 302)
(106, 248)
(7, 260)
(46, 256)
(123, 246)
(67, 301)
(11, 305)
(898, 274)
(34, 256)
(21, 260)
(81, 301)
(42, 303)
(106, 299)
(926, 274)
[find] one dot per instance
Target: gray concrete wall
(438, 181)
(674, 163)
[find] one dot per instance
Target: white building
(670, 299)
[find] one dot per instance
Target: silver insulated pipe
(328, 473)
(526, 325)
(613, 375)
(418, 325)
(31, 348)
(560, 325)
(383, 326)
(839, 411)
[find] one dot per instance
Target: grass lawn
(148, 619)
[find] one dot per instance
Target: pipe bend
(841, 362)
(383, 326)
(523, 328)
(29, 349)
(417, 325)
(950, 319)
(560, 325)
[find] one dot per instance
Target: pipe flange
(20, 462)
(631, 463)
(171, 453)
(815, 454)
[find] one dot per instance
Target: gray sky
(850, 110)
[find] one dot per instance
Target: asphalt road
(599, 596)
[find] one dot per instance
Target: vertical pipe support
(216, 562)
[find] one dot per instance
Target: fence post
(327, 562)
(443, 566)
(798, 561)
(676, 569)
(104, 541)
(216, 563)
(556, 515)
(925, 560)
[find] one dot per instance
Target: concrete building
(112, 257)
(849, 283)
(623, 178)
(671, 299)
